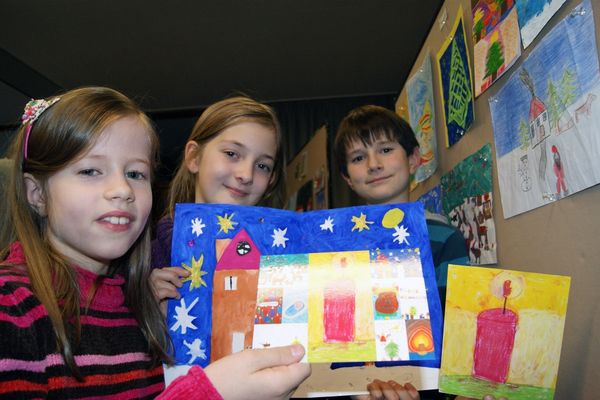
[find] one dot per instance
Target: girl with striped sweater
(78, 317)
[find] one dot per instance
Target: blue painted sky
(570, 44)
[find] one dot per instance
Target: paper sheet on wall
(468, 202)
(497, 42)
(421, 105)
(546, 118)
(455, 83)
(534, 15)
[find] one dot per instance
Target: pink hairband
(33, 109)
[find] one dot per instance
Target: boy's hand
(165, 282)
(268, 374)
(391, 390)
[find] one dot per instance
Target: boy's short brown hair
(367, 124)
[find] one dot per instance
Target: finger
(167, 293)
(375, 390)
(283, 380)
(275, 356)
(169, 274)
(164, 289)
(392, 390)
(182, 272)
(412, 391)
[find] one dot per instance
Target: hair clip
(33, 109)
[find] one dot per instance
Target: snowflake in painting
(195, 350)
(196, 273)
(361, 222)
(327, 225)
(226, 223)
(400, 234)
(279, 238)
(197, 226)
(183, 317)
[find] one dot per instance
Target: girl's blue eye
(137, 175)
(230, 154)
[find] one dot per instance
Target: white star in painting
(184, 319)
(197, 226)
(196, 351)
(327, 225)
(279, 238)
(400, 234)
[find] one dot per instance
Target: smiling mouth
(116, 220)
(236, 192)
(377, 180)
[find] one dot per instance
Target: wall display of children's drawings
(456, 86)
(503, 333)
(534, 15)
(402, 110)
(350, 284)
(432, 200)
(422, 118)
(497, 42)
(467, 201)
(546, 118)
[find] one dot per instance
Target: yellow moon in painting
(392, 218)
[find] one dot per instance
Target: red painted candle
(494, 342)
(339, 304)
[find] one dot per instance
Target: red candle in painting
(494, 344)
(339, 305)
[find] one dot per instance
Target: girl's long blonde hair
(60, 135)
(215, 119)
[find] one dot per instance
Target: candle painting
(351, 284)
(503, 333)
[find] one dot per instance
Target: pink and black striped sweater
(112, 355)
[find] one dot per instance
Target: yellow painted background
(541, 309)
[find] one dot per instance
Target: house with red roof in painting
(234, 294)
(539, 123)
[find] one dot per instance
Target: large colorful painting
(350, 284)
(422, 118)
(497, 42)
(534, 15)
(468, 202)
(546, 118)
(503, 333)
(456, 87)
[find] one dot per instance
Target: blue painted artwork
(432, 200)
(262, 259)
(546, 118)
(534, 15)
(456, 84)
(422, 119)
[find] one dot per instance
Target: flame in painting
(501, 289)
(420, 338)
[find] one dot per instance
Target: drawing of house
(234, 294)
(539, 124)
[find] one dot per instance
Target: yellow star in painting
(361, 222)
(196, 273)
(226, 223)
